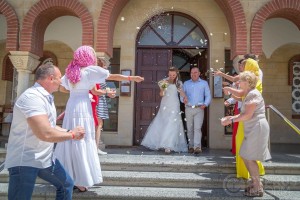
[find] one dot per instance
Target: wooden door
(153, 65)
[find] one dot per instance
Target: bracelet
(73, 136)
(232, 121)
(129, 78)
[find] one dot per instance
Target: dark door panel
(153, 65)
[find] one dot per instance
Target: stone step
(193, 180)
(188, 163)
(43, 192)
(184, 180)
(211, 162)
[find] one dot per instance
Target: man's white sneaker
(101, 152)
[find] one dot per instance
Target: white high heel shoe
(101, 152)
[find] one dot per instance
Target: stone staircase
(136, 173)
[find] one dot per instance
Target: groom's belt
(196, 106)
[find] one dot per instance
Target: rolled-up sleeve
(31, 106)
(65, 82)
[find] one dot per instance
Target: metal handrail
(293, 126)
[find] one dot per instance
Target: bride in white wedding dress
(166, 130)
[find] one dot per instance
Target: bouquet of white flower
(163, 84)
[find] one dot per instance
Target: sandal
(253, 193)
(250, 185)
(81, 190)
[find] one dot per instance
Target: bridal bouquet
(163, 84)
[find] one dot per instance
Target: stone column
(25, 62)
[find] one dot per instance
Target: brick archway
(12, 25)
(43, 13)
(289, 9)
(236, 19)
(106, 24)
(232, 9)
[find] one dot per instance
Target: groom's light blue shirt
(198, 92)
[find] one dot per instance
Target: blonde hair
(177, 80)
(249, 77)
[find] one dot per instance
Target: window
(294, 81)
(111, 124)
(296, 89)
(172, 29)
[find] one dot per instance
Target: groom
(197, 98)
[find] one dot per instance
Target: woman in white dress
(166, 130)
(80, 158)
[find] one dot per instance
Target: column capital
(24, 60)
(104, 56)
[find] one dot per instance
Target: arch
(289, 9)
(12, 26)
(47, 56)
(232, 9)
(106, 24)
(172, 43)
(236, 19)
(43, 13)
(8, 69)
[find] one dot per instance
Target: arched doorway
(168, 39)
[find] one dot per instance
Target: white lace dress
(166, 129)
(80, 158)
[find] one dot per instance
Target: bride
(166, 130)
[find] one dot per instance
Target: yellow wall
(278, 93)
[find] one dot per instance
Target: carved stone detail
(24, 60)
(103, 56)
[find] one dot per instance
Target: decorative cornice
(104, 56)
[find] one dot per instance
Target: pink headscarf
(84, 56)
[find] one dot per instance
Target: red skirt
(94, 106)
(234, 130)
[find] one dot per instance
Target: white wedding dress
(79, 157)
(166, 130)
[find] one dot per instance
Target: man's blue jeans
(22, 181)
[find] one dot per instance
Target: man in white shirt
(32, 137)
